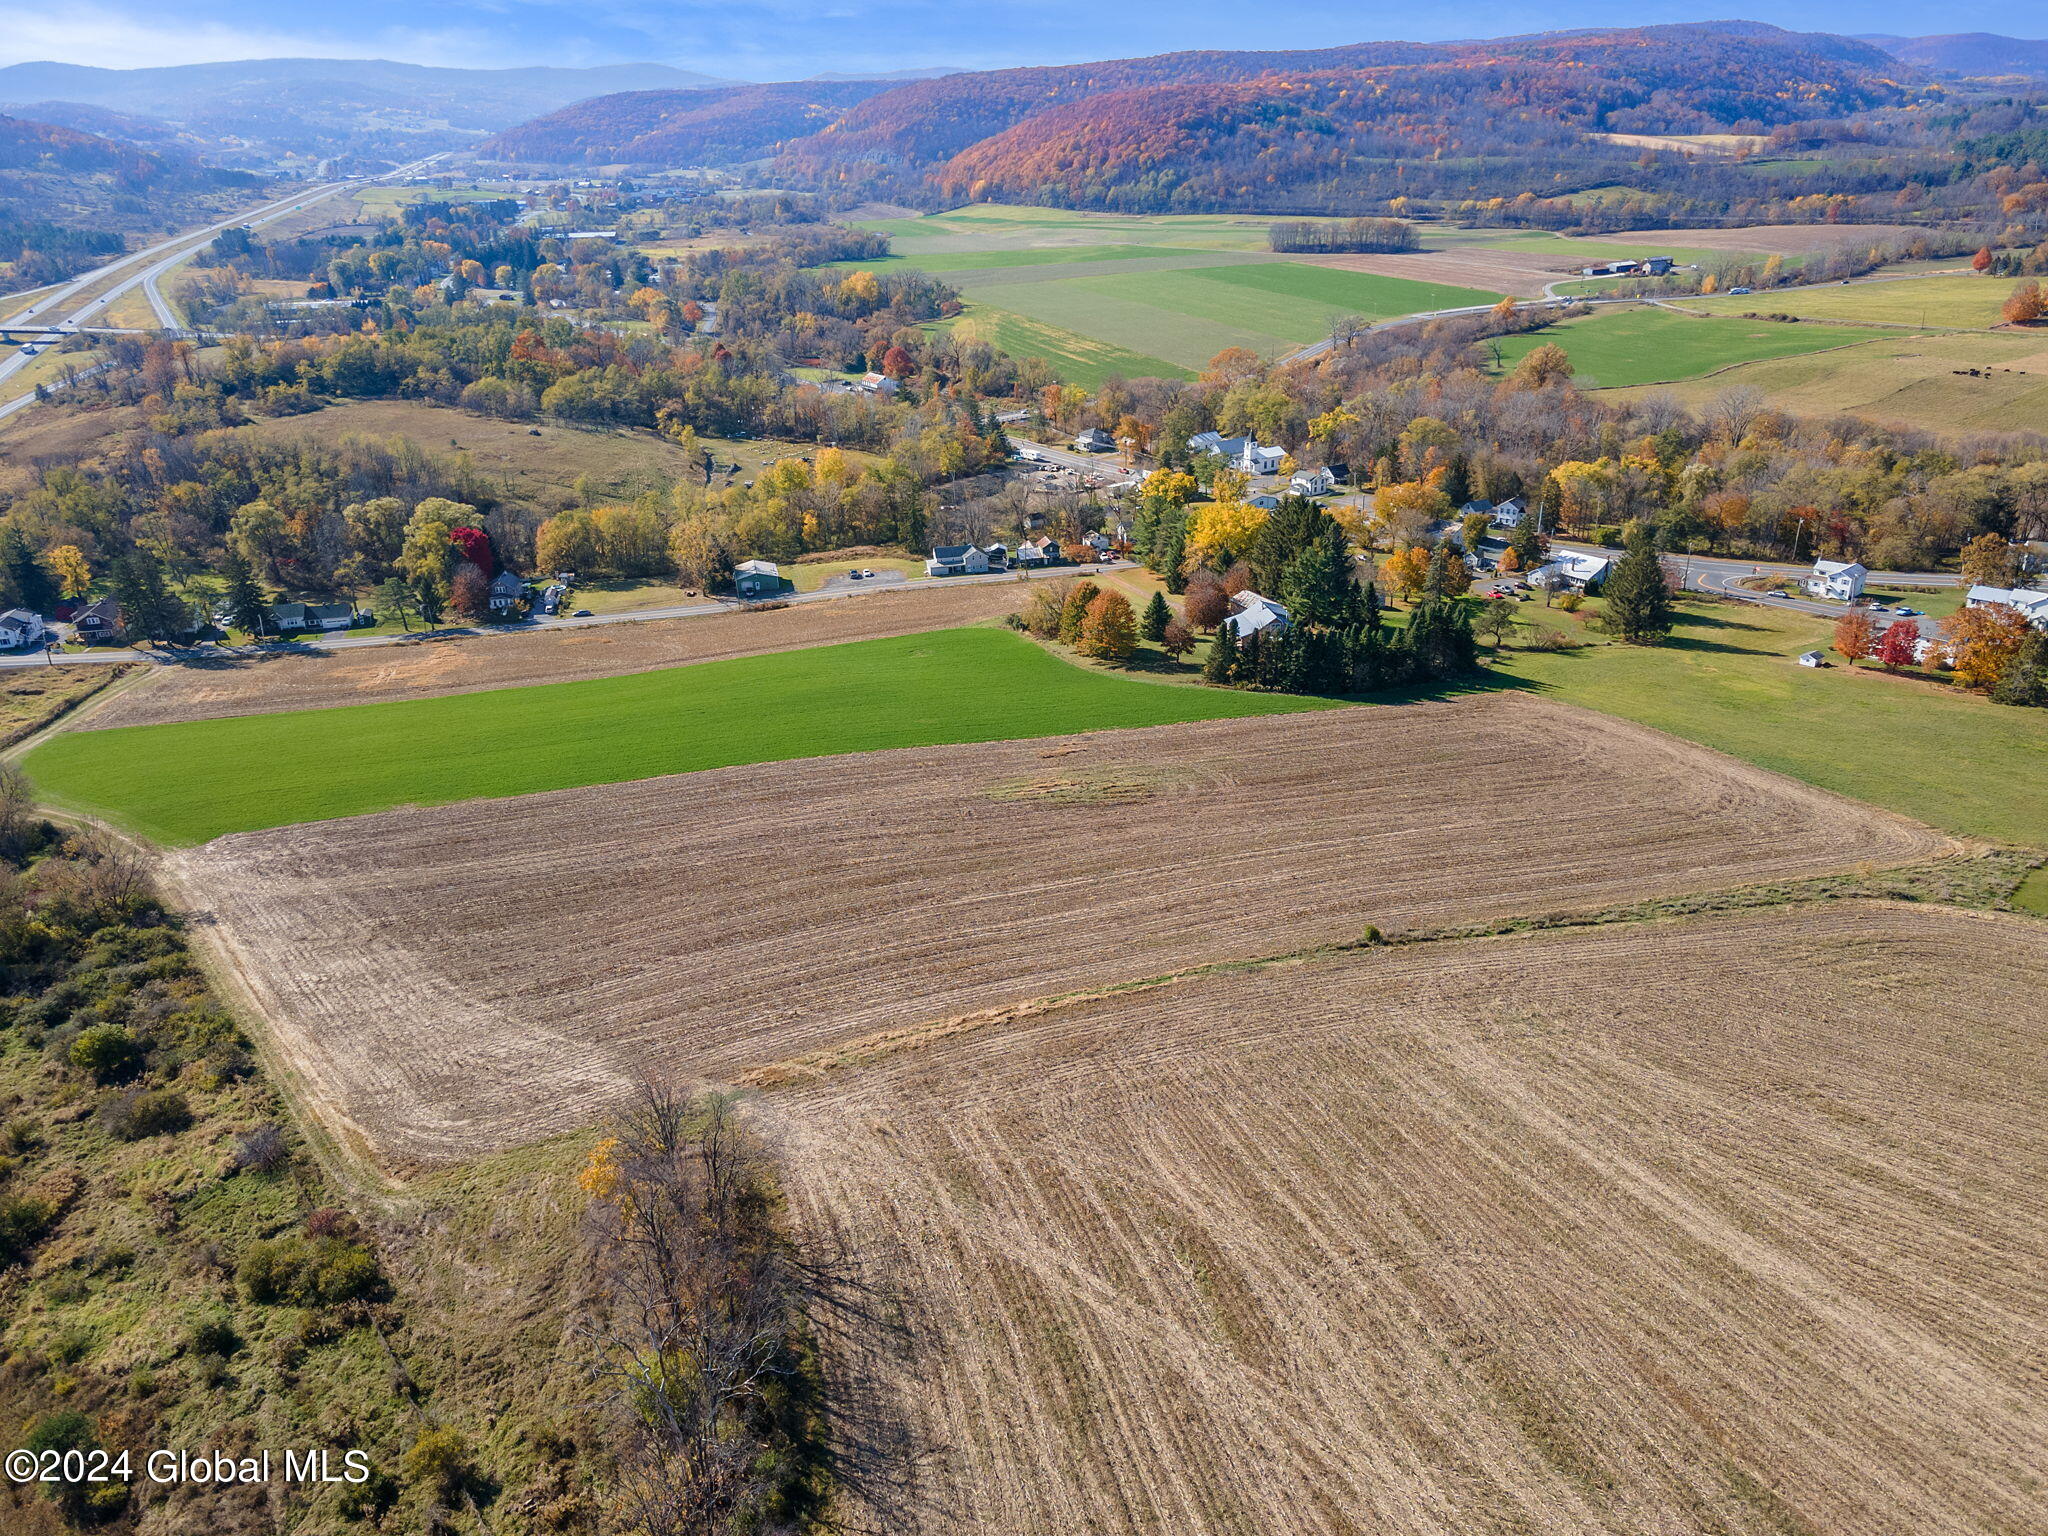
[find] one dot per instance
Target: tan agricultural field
(308, 679)
(1729, 1227)
(1521, 273)
(1768, 239)
(473, 976)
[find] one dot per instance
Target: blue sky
(789, 39)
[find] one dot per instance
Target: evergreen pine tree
(1169, 549)
(244, 603)
(25, 582)
(147, 606)
(2025, 678)
(1221, 667)
(1638, 597)
(1317, 588)
(1157, 617)
(1373, 611)
(1527, 546)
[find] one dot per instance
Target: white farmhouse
(1836, 580)
(19, 627)
(2034, 605)
(1313, 482)
(1255, 614)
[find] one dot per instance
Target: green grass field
(1633, 345)
(1958, 303)
(1917, 381)
(185, 783)
(1075, 358)
(1728, 680)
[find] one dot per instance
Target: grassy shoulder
(1727, 679)
(186, 783)
(178, 1267)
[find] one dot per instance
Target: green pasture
(185, 783)
(1727, 679)
(1954, 302)
(1642, 344)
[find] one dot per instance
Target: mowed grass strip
(186, 783)
(1619, 347)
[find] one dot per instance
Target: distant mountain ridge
(1304, 127)
(1983, 54)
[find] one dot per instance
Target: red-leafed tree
(1982, 260)
(1205, 604)
(1899, 646)
(898, 363)
(474, 545)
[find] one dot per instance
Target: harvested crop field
(1522, 273)
(480, 975)
(1728, 1226)
(309, 679)
(1770, 239)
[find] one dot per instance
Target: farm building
(2032, 604)
(19, 627)
(757, 578)
(877, 384)
(957, 560)
(1839, 580)
(1812, 659)
(1255, 614)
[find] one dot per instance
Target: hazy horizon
(781, 40)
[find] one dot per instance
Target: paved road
(346, 642)
(64, 311)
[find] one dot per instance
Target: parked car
(1909, 613)
(581, 613)
(867, 573)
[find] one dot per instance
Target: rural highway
(171, 656)
(60, 313)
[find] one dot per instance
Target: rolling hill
(1983, 54)
(696, 127)
(1296, 129)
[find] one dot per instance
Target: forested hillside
(691, 127)
(66, 198)
(1328, 129)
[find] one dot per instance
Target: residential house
(1566, 569)
(1265, 501)
(302, 618)
(1038, 553)
(1313, 482)
(19, 627)
(757, 578)
(1839, 581)
(998, 556)
(507, 592)
(1255, 615)
(1099, 542)
(2034, 605)
(98, 621)
(1509, 513)
(1094, 440)
(957, 560)
(1477, 507)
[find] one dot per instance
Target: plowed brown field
(371, 674)
(1732, 1227)
(1522, 273)
(476, 975)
